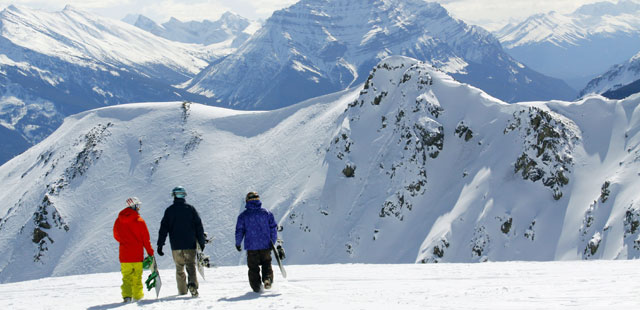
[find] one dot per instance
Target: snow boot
(267, 284)
(193, 289)
(126, 300)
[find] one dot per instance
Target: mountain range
(61, 63)
(410, 166)
(231, 29)
(315, 47)
(56, 64)
(579, 46)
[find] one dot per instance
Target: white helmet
(134, 203)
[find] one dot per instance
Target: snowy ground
(511, 285)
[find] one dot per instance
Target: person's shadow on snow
(141, 302)
(249, 296)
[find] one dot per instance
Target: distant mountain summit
(619, 82)
(578, 46)
(315, 47)
(230, 27)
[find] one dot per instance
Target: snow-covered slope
(577, 46)
(60, 63)
(412, 166)
(469, 178)
(619, 82)
(513, 285)
(316, 47)
(83, 38)
(231, 29)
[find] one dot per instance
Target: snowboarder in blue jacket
(257, 226)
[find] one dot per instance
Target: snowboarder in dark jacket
(257, 226)
(182, 222)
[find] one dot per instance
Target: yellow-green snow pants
(132, 280)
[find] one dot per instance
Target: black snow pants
(256, 259)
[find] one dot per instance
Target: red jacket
(131, 232)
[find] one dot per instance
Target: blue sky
(483, 12)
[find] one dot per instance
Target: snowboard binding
(151, 280)
(204, 260)
(280, 249)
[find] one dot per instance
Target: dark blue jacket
(257, 226)
(182, 222)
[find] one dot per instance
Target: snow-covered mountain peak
(577, 46)
(381, 16)
(230, 15)
(70, 7)
(11, 7)
(410, 120)
(363, 24)
(131, 18)
(14, 10)
(323, 46)
(551, 27)
(143, 20)
(620, 81)
(567, 29)
(231, 30)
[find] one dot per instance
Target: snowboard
(275, 253)
(202, 261)
(154, 278)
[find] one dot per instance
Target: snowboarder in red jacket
(131, 232)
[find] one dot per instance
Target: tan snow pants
(185, 258)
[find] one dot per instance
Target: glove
(160, 251)
(147, 262)
(238, 248)
(206, 238)
(281, 252)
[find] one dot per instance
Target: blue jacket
(256, 226)
(182, 222)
